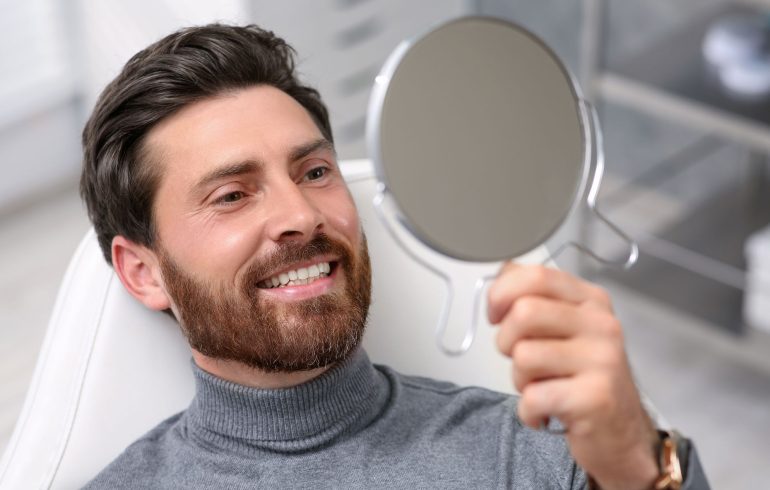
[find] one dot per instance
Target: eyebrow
(306, 149)
(252, 166)
(232, 170)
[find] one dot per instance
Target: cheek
(343, 216)
(211, 250)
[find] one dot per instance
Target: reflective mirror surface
(477, 134)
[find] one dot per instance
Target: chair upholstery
(110, 369)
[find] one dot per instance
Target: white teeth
(303, 275)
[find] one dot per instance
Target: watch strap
(673, 454)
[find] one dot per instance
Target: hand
(570, 363)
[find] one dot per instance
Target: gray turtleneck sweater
(356, 426)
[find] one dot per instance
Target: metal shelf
(696, 262)
(671, 80)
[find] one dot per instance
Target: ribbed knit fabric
(355, 426)
(238, 418)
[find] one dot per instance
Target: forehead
(261, 123)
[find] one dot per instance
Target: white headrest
(110, 369)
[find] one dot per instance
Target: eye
(316, 173)
(230, 198)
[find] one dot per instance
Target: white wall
(111, 31)
(343, 43)
(56, 57)
(38, 137)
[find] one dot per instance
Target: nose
(293, 215)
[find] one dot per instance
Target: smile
(297, 277)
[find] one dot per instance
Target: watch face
(671, 454)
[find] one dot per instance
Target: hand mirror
(483, 147)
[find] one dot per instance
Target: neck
(239, 373)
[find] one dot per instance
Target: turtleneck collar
(342, 400)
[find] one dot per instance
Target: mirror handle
(443, 321)
(597, 159)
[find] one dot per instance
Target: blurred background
(683, 92)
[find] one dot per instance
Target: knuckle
(493, 293)
(609, 357)
(531, 398)
(502, 344)
(606, 402)
(496, 298)
(522, 354)
(493, 296)
(538, 276)
(524, 410)
(610, 326)
(524, 310)
(604, 399)
(601, 295)
(582, 428)
(519, 380)
(509, 266)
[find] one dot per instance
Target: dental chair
(110, 369)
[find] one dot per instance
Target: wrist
(668, 471)
(637, 469)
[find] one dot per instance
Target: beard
(242, 324)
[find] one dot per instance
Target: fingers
(516, 281)
(570, 363)
(574, 401)
(540, 401)
(538, 317)
(539, 360)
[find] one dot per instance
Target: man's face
(250, 197)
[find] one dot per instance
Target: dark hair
(118, 183)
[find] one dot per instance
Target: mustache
(289, 253)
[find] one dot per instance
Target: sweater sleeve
(695, 479)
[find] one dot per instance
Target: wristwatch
(673, 452)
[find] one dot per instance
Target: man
(212, 182)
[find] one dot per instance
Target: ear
(138, 270)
